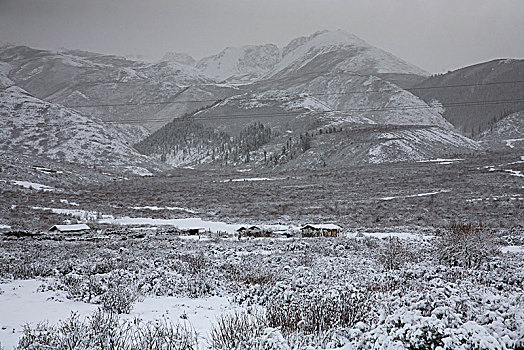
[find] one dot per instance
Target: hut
(320, 230)
(77, 228)
(254, 231)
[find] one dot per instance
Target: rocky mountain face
(178, 57)
(243, 64)
(477, 96)
(335, 51)
(329, 99)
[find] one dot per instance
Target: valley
(323, 194)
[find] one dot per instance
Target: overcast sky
(436, 35)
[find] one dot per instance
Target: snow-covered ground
(156, 208)
(185, 223)
(254, 179)
(510, 142)
(34, 185)
(414, 195)
(25, 302)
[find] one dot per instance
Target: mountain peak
(339, 51)
(178, 57)
(245, 62)
(325, 38)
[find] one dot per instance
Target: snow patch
(186, 223)
(247, 179)
(414, 195)
(34, 186)
(155, 208)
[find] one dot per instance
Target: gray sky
(436, 35)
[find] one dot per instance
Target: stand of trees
(186, 137)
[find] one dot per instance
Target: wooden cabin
(320, 230)
(254, 231)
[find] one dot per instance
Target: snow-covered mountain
(178, 57)
(109, 87)
(335, 51)
(31, 126)
(246, 63)
(321, 53)
(315, 96)
(5, 82)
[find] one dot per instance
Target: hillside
(34, 127)
(111, 88)
(186, 113)
(506, 133)
(246, 63)
(499, 81)
(377, 144)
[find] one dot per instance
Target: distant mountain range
(329, 99)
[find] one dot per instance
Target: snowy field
(27, 302)
(396, 288)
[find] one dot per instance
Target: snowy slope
(323, 52)
(178, 57)
(33, 126)
(334, 51)
(240, 64)
(418, 144)
(370, 97)
(5, 68)
(77, 78)
(506, 133)
(376, 144)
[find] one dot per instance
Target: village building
(254, 231)
(320, 230)
(76, 228)
(193, 231)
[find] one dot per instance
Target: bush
(121, 293)
(466, 245)
(393, 254)
(103, 330)
(120, 298)
(316, 314)
(234, 331)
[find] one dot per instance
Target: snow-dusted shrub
(82, 287)
(447, 316)
(194, 263)
(163, 334)
(268, 339)
(467, 245)
(236, 330)
(103, 330)
(199, 286)
(121, 294)
(248, 272)
(318, 312)
(392, 255)
(42, 336)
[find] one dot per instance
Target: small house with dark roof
(320, 230)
